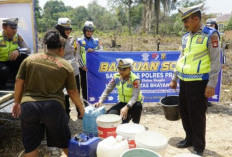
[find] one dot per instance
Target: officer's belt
(204, 76)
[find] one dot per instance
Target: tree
(188, 3)
(37, 11)
(166, 9)
(128, 4)
(79, 16)
(228, 26)
(52, 10)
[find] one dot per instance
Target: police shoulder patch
(20, 38)
(136, 84)
(214, 40)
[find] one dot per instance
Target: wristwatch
(128, 106)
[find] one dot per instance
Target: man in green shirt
(39, 96)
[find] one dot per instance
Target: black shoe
(209, 104)
(184, 144)
(198, 153)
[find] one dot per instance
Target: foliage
(78, 16)
(188, 3)
(124, 16)
(37, 11)
(228, 26)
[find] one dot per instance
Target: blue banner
(155, 69)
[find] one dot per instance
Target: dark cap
(186, 12)
(12, 22)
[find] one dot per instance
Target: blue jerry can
(83, 146)
(89, 119)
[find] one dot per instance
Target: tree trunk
(157, 12)
(144, 18)
(148, 15)
(129, 21)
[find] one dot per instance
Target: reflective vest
(6, 47)
(85, 43)
(195, 62)
(125, 90)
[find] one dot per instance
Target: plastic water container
(83, 146)
(128, 131)
(111, 147)
(107, 125)
(152, 140)
(186, 155)
(89, 119)
(140, 152)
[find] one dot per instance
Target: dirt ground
(218, 131)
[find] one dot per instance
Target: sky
(213, 6)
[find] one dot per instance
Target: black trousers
(67, 103)
(83, 85)
(134, 112)
(192, 102)
(9, 70)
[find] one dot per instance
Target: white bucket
(152, 140)
(107, 125)
(186, 155)
(111, 147)
(140, 152)
(128, 131)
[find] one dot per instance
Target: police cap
(124, 63)
(89, 25)
(12, 22)
(211, 21)
(186, 12)
(64, 22)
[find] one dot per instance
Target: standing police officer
(129, 93)
(86, 44)
(10, 57)
(70, 54)
(197, 68)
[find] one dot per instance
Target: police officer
(86, 44)
(10, 57)
(70, 54)
(129, 93)
(212, 22)
(197, 68)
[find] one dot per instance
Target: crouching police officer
(129, 93)
(10, 56)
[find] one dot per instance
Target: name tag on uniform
(200, 40)
(129, 83)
